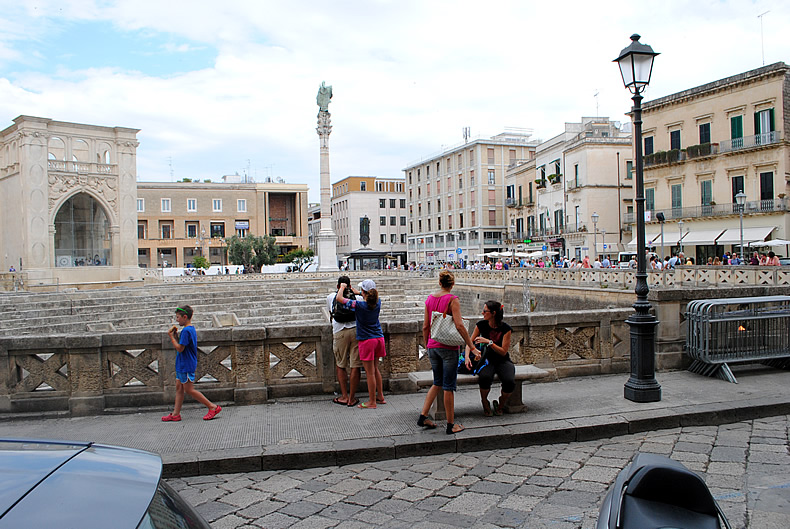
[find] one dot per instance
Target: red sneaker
(211, 413)
(171, 418)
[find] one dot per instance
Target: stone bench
(524, 373)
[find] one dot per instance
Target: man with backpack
(344, 345)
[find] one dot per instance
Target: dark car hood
(81, 485)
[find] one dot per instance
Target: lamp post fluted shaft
(642, 385)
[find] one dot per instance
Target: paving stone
(451, 491)
(373, 474)
(371, 516)
(728, 454)
(449, 473)
(431, 484)
(368, 497)
(530, 489)
(388, 485)
(656, 448)
(482, 470)
(245, 497)
(325, 497)
(697, 448)
(596, 473)
(412, 494)
(315, 522)
(260, 509)
(471, 504)
(584, 486)
(350, 486)
(276, 520)
(214, 510)
(492, 487)
(546, 481)
(302, 509)
(683, 457)
(229, 522)
(341, 510)
(277, 483)
(391, 506)
(432, 503)
(407, 476)
(520, 503)
(292, 495)
(465, 461)
(467, 481)
(236, 484)
(554, 471)
(314, 485)
(730, 469)
(505, 517)
(517, 470)
(574, 498)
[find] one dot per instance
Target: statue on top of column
(323, 97)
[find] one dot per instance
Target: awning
(700, 237)
(733, 235)
(648, 238)
(670, 238)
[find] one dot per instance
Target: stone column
(327, 239)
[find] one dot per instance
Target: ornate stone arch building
(67, 195)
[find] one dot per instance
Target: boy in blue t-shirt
(186, 365)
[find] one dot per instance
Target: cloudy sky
(229, 87)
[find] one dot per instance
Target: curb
(424, 443)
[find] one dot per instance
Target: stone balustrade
(89, 373)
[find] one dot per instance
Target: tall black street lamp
(636, 65)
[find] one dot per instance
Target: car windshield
(168, 511)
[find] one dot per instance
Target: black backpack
(341, 314)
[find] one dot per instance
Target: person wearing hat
(370, 337)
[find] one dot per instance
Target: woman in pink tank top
(444, 358)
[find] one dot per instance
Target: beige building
(178, 221)
(313, 225)
(457, 198)
(704, 145)
(583, 174)
(67, 208)
(382, 201)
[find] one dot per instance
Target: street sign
(451, 256)
(545, 247)
(458, 251)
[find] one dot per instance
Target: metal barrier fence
(737, 330)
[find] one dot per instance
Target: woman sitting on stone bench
(495, 334)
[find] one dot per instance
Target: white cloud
(407, 75)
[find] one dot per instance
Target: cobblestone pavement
(560, 486)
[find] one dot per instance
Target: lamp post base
(642, 386)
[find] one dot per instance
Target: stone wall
(93, 372)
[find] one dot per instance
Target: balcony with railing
(63, 166)
(750, 142)
(716, 210)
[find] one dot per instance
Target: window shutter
(771, 114)
(757, 123)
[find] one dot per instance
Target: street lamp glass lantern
(636, 64)
(595, 218)
(740, 198)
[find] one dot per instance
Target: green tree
(300, 257)
(200, 262)
(252, 251)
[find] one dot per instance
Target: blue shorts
(185, 377)
(444, 364)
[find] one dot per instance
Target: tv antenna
(595, 95)
(466, 132)
(762, 41)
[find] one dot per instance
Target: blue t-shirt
(186, 360)
(368, 325)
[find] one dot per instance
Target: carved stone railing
(87, 374)
(682, 276)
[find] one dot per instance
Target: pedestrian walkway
(311, 432)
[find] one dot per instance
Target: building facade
(313, 225)
(178, 221)
(456, 199)
(570, 197)
(67, 208)
(382, 202)
(703, 146)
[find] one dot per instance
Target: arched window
(82, 233)
(57, 149)
(103, 153)
(79, 151)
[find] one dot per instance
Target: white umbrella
(521, 254)
(506, 254)
(492, 254)
(773, 242)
